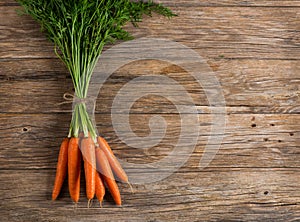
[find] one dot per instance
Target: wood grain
(231, 32)
(267, 141)
(215, 3)
(252, 48)
(238, 194)
(260, 86)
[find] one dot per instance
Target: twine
(70, 98)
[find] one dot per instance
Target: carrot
(74, 164)
(100, 189)
(61, 169)
(88, 153)
(105, 170)
(105, 143)
(81, 136)
(113, 161)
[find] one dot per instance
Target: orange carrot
(80, 136)
(61, 169)
(105, 170)
(113, 161)
(105, 143)
(74, 164)
(100, 189)
(88, 153)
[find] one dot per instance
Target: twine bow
(71, 98)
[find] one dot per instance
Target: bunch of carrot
(79, 30)
(100, 167)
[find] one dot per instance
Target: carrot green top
(80, 29)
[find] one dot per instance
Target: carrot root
(89, 203)
(113, 161)
(61, 169)
(100, 189)
(108, 177)
(88, 153)
(74, 165)
(75, 206)
(130, 186)
(69, 161)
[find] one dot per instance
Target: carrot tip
(75, 206)
(131, 188)
(89, 203)
(54, 196)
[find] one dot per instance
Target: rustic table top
(253, 49)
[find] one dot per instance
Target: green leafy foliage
(81, 28)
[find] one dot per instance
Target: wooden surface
(254, 49)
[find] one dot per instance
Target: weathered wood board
(253, 48)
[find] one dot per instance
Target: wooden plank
(32, 141)
(260, 86)
(253, 49)
(232, 3)
(215, 3)
(231, 32)
(250, 195)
